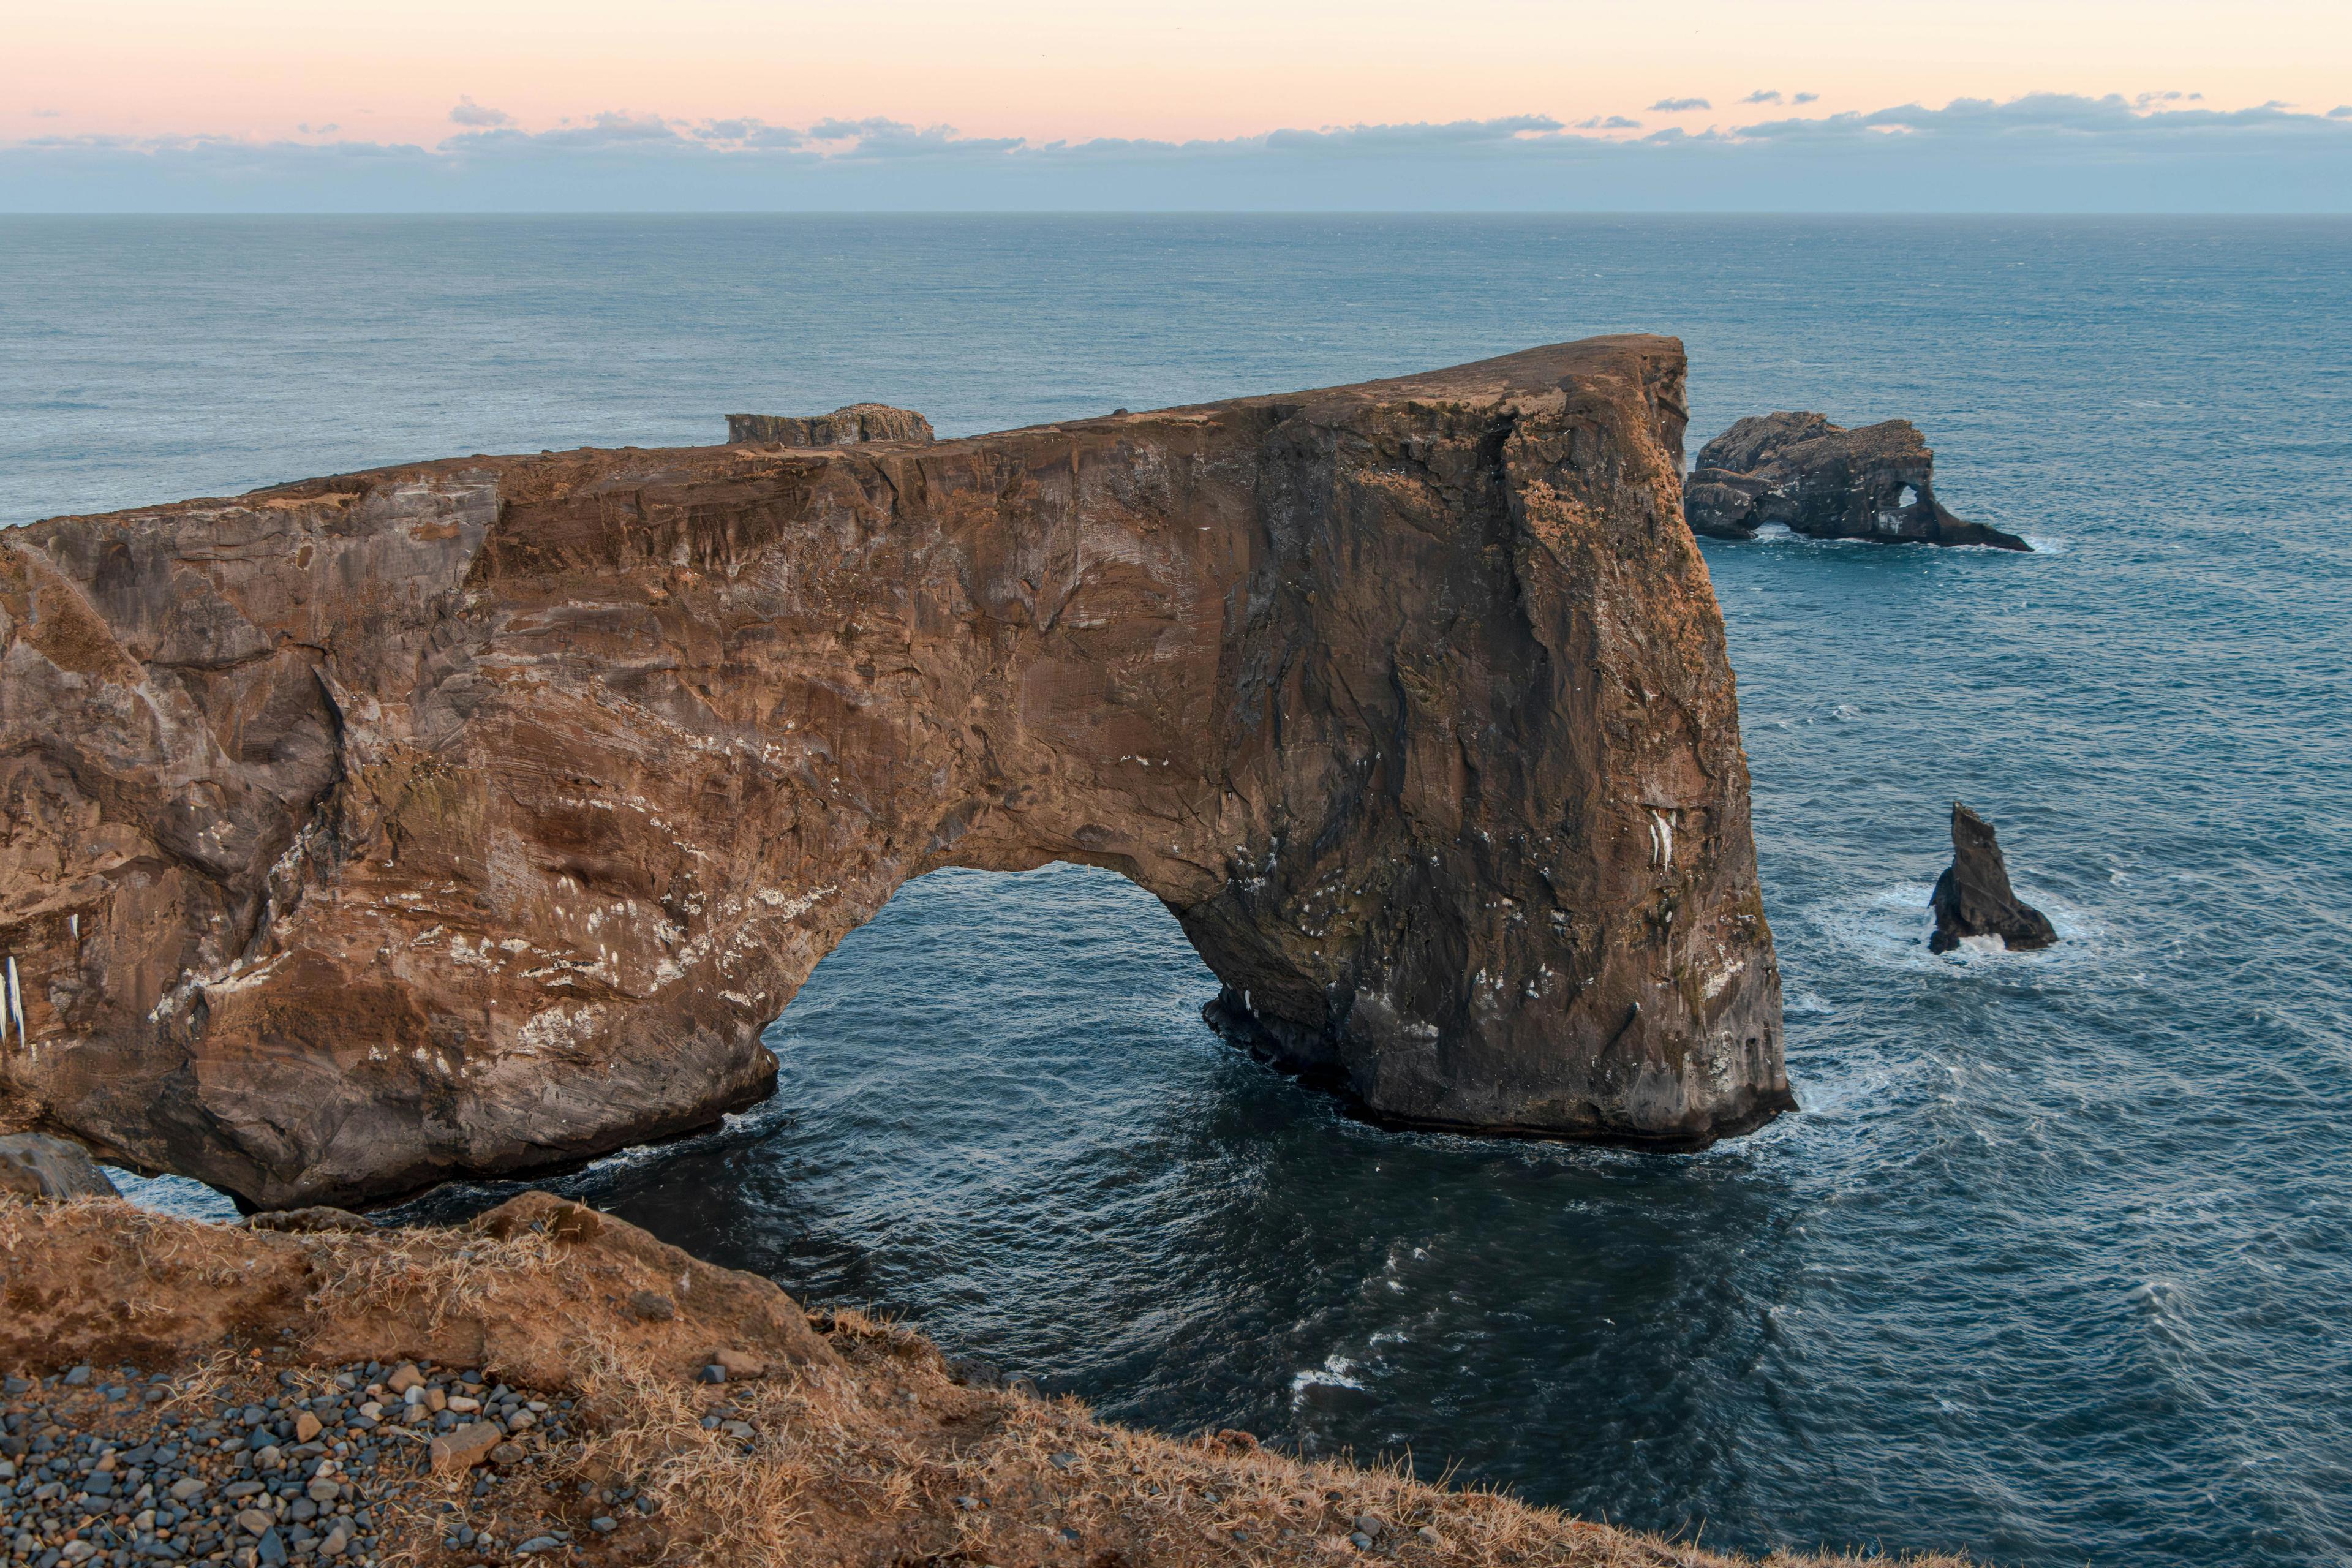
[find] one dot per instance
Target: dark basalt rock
(851, 425)
(1824, 481)
(35, 1165)
(1973, 897)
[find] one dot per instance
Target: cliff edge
(552, 1383)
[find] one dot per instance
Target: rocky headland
(1973, 900)
(549, 1384)
(476, 816)
(1825, 482)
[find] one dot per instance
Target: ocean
(2054, 1265)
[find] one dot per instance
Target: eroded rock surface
(1973, 897)
(35, 1165)
(476, 816)
(1825, 482)
(849, 425)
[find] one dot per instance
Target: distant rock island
(477, 815)
(1973, 897)
(1825, 482)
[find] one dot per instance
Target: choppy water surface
(2057, 1263)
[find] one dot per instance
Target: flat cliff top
(1638, 365)
(576, 1343)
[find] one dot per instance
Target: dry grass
(435, 1272)
(863, 1451)
(847, 1468)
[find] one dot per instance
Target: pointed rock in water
(1825, 482)
(477, 815)
(1973, 897)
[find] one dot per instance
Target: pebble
(281, 1468)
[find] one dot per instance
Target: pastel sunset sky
(87, 88)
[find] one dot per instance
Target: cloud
(2042, 120)
(1807, 98)
(2341, 112)
(2040, 153)
(46, 114)
(470, 113)
(307, 128)
(1762, 95)
(1678, 105)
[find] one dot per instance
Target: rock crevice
(477, 815)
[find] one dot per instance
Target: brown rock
(403, 1377)
(852, 426)
(652, 1306)
(464, 1449)
(507, 1455)
(306, 1427)
(477, 815)
(35, 1165)
(740, 1364)
(1825, 482)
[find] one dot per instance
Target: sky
(229, 105)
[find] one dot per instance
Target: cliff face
(1826, 481)
(475, 816)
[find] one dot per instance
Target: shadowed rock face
(1825, 482)
(1973, 897)
(477, 815)
(35, 1165)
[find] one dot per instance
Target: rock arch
(476, 816)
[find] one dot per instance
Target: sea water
(2055, 1265)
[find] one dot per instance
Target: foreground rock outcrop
(532, 1387)
(477, 815)
(1825, 482)
(35, 1165)
(1973, 897)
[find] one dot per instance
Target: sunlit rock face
(475, 816)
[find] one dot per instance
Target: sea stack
(1825, 482)
(477, 815)
(1973, 897)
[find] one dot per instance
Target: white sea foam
(1336, 1372)
(1889, 926)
